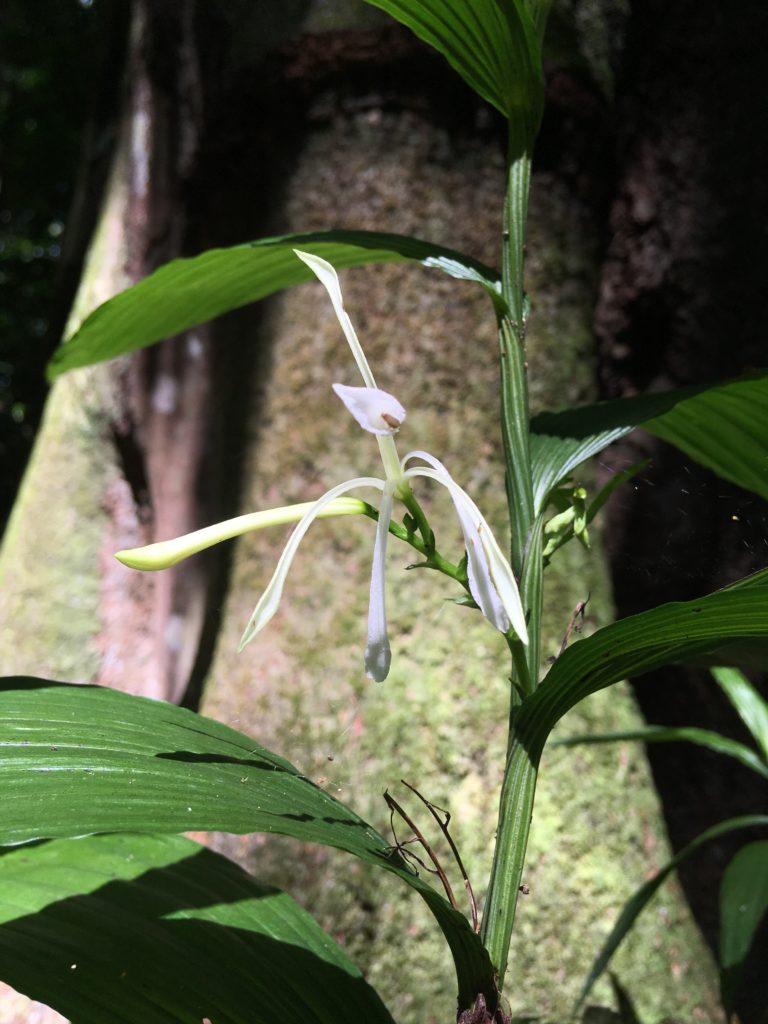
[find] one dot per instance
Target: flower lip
(375, 410)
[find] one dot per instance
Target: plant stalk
(516, 802)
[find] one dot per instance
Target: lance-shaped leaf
(187, 292)
(677, 734)
(637, 903)
(127, 928)
(724, 427)
(750, 706)
(743, 904)
(78, 760)
(493, 46)
(670, 634)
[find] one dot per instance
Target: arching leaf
(493, 45)
(637, 903)
(677, 734)
(79, 760)
(724, 427)
(187, 292)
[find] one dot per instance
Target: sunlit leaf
(77, 760)
(743, 904)
(752, 708)
(188, 292)
(127, 928)
(724, 427)
(669, 634)
(493, 46)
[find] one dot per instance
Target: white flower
(491, 581)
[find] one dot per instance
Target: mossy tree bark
(358, 126)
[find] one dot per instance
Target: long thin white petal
(328, 278)
(268, 602)
(165, 553)
(491, 579)
(375, 410)
(377, 652)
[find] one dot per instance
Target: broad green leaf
(79, 760)
(668, 734)
(127, 928)
(724, 427)
(743, 904)
(187, 292)
(751, 707)
(493, 45)
(637, 903)
(670, 634)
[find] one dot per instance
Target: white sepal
(375, 410)
(377, 651)
(329, 279)
(491, 580)
(269, 601)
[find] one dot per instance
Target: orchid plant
(104, 918)
(484, 572)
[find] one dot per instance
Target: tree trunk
(340, 129)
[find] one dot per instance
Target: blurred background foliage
(57, 90)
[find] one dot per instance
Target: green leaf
(743, 903)
(188, 292)
(668, 734)
(78, 760)
(670, 634)
(126, 928)
(493, 45)
(637, 903)
(724, 427)
(751, 707)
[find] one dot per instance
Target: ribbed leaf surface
(724, 427)
(492, 44)
(77, 760)
(670, 634)
(188, 292)
(126, 928)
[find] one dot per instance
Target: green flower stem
(524, 750)
(515, 810)
(433, 558)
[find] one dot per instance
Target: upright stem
(516, 803)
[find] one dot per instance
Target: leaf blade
(127, 928)
(80, 760)
(493, 46)
(681, 734)
(187, 292)
(736, 411)
(640, 899)
(743, 904)
(751, 707)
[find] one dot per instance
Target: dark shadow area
(681, 303)
(77, 953)
(59, 94)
